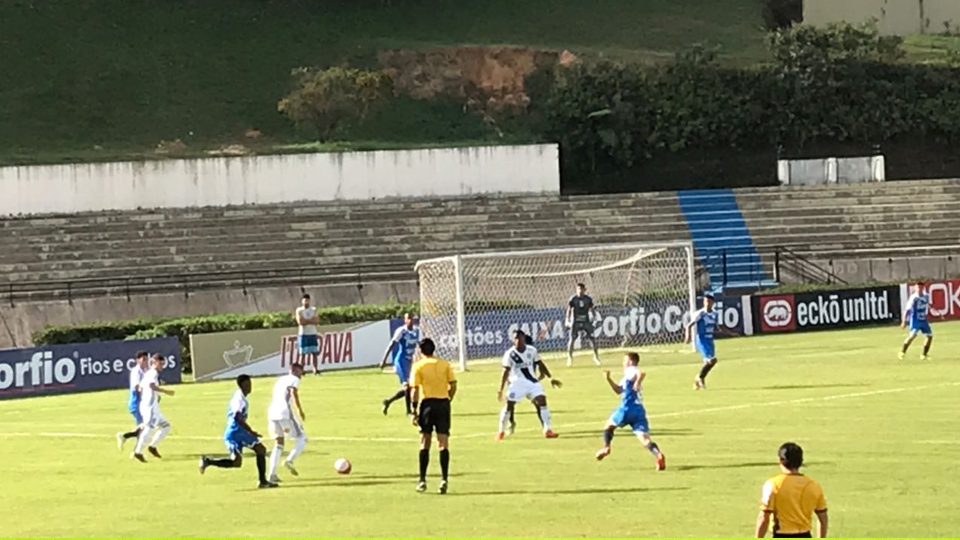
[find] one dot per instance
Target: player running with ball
(631, 411)
(520, 365)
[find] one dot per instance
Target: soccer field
(879, 434)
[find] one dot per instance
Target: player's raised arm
(613, 384)
(156, 388)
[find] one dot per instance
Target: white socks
(142, 439)
(504, 419)
(545, 418)
(164, 429)
(274, 460)
(297, 449)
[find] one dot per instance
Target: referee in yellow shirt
(791, 498)
(433, 379)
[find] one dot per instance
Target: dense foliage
(839, 84)
(334, 98)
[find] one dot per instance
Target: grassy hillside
(87, 80)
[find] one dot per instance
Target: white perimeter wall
(894, 17)
(181, 183)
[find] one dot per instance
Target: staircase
(722, 241)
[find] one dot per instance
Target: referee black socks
(424, 462)
(444, 463)
(707, 366)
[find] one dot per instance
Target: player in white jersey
(917, 314)
(153, 420)
(520, 366)
(308, 340)
(283, 422)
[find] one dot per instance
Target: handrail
(190, 282)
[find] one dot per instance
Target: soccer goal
(471, 304)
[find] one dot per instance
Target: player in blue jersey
(916, 313)
(706, 321)
(403, 346)
(133, 401)
(240, 435)
(630, 412)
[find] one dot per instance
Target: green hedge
(181, 328)
(842, 84)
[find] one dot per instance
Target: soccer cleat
(550, 434)
(569, 361)
(661, 462)
(442, 490)
(203, 464)
(291, 468)
(924, 357)
(386, 406)
(511, 428)
(153, 452)
(267, 485)
(900, 355)
(275, 479)
(498, 436)
(120, 441)
(596, 360)
(138, 457)
(698, 384)
(421, 486)
(602, 453)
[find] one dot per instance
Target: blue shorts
(133, 405)
(403, 370)
(706, 349)
(921, 327)
(308, 344)
(238, 439)
(635, 417)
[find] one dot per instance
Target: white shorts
(286, 428)
(152, 418)
(523, 388)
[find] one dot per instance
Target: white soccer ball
(342, 466)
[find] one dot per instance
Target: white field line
(599, 422)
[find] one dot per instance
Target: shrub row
(842, 84)
(181, 328)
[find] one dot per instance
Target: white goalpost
(471, 304)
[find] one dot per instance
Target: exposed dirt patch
(486, 78)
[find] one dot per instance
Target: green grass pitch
(879, 434)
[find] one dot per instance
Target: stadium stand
(318, 243)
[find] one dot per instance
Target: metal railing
(189, 282)
(748, 266)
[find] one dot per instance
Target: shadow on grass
(793, 387)
(584, 491)
(624, 432)
(772, 465)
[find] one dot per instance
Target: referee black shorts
(792, 535)
(435, 415)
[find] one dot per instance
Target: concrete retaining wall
(894, 17)
(187, 183)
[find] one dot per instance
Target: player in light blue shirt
(917, 313)
(403, 346)
(706, 321)
(133, 401)
(631, 411)
(239, 435)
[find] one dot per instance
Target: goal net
(471, 304)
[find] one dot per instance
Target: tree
(330, 99)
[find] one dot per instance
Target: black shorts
(435, 415)
(579, 327)
(792, 535)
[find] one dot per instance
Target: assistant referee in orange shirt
(432, 378)
(791, 498)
